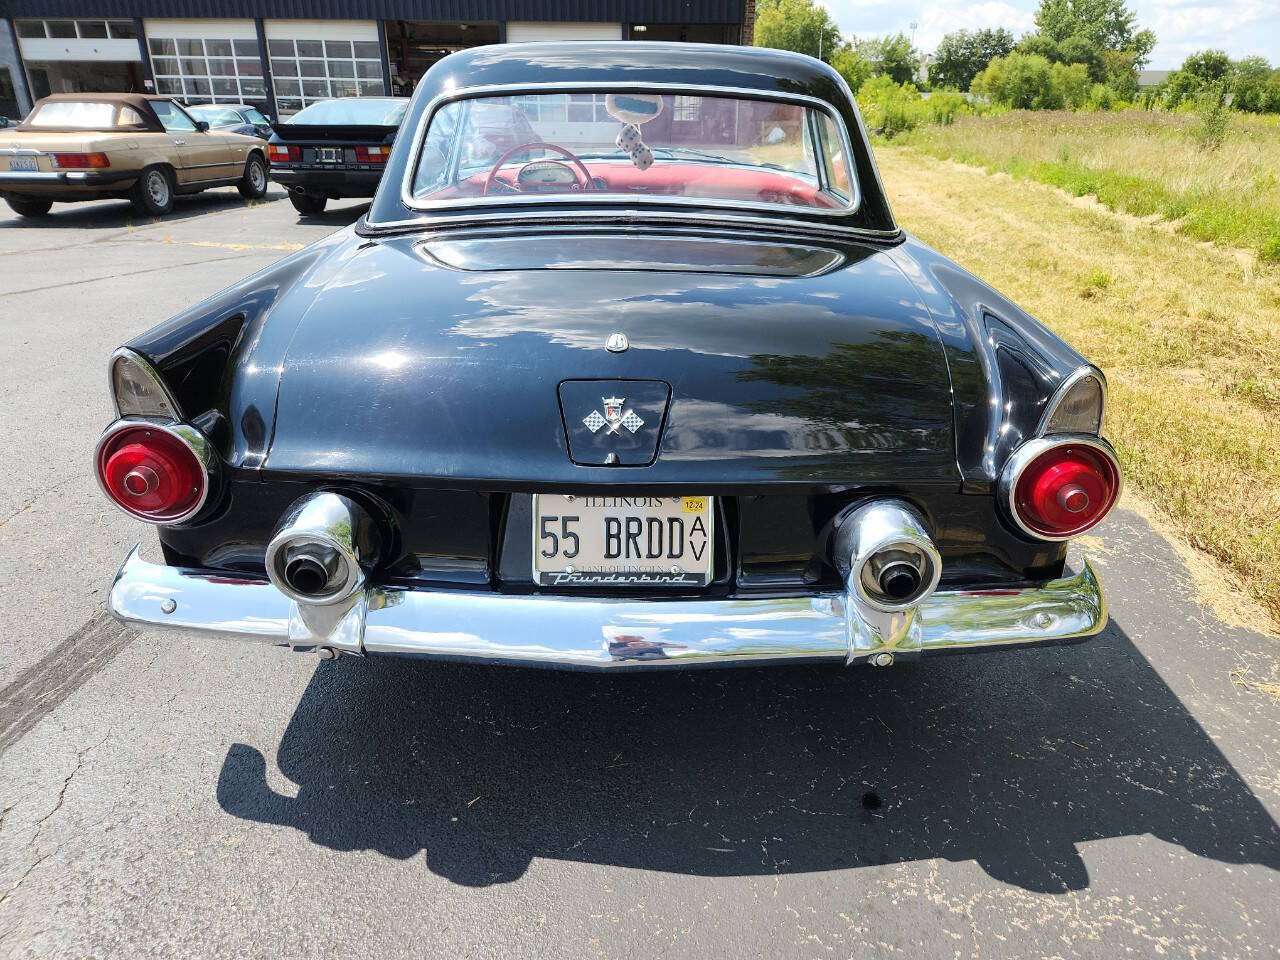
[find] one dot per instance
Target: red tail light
(372, 154)
(81, 161)
(1058, 488)
(284, 153)
(155, 473)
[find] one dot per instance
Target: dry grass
(1244, 677)
(1188, 334)
(1142, 163)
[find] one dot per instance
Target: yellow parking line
(288, 247)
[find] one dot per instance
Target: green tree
(1105, 24)
(799, 25)
(1101, 34)
(1120, 73)
(852, 66)
(1199, 72)
(1271, 94)
(1071, 83)
(962, 55)
(893, 57)
(1249, 86)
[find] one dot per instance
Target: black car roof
(758, 71)
(703, 64)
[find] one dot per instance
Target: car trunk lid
(785, 361)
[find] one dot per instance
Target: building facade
(281, 55)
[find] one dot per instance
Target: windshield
(216, 116)
(638, 145)
(354, 111)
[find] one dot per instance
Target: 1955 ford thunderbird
(627, 365)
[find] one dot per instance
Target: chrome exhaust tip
(884, 551)
(891, 566)
(320, 549)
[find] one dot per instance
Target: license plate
(622, 541)
(328, 154)
(23, 163)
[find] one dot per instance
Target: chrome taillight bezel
(190, 437)
(1032, 450)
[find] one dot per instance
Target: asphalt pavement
(167, 797)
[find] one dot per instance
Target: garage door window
(305, 71)
(208, 71)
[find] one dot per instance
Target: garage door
(317, 59)
(207, 61)
(523, 32)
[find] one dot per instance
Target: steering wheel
(555, 148)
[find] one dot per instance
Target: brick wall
(748, 22)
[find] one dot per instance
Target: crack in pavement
(62, 671)
(36, 499)
(131, 273)
(62, 796)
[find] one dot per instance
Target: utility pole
(913, 26)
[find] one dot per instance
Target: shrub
(1101, 97)
(889, 108)
(1021, 80)
(1215, 116)
(943, 106)
(1071, 84)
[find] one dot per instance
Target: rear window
(354, 112)
(636, 145)
(70, 113)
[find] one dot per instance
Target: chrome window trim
(691, 238)
(1021, 458)
(1060, 392)
(368, 227)
(184, 433)
(175, 409)
(469, 93)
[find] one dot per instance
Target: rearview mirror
(202, 125)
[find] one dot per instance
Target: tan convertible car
(147, 149)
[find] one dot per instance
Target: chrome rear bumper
(594, 633)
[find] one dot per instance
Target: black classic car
(651, 379)
(334, 149)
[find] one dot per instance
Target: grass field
(1188, 334)
(1144, 163)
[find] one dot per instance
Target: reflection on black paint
(858, 384)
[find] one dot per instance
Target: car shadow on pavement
(113, 214)
(337, 216)
(1011, 759)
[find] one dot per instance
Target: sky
(1241, 27)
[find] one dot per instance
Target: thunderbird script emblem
(615, 415)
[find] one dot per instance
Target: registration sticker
(694, 505)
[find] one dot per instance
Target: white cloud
(939, 19)
(1241, 27)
